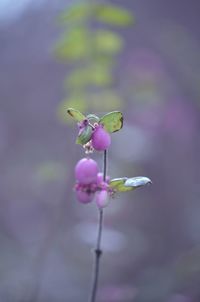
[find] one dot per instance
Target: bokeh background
(151, 237)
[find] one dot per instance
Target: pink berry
(86, 171)
(84, 197)
(100, 138)
(100, 178)
(102, 198)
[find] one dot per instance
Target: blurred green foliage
(91, 49)
(105, 13)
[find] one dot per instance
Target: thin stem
(98, 251)
(104, 164)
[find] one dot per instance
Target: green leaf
(107, 42)
(112, 121)
(137, 182)
(117, 184)
(84, 136)
(76, 115)
(113, 15)
(125, 184)
(104, 100)
(78, 101)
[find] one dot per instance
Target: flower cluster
(90, 184)
(94, 134)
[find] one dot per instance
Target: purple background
(151, 237)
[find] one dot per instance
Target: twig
(98, 250)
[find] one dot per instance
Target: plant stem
(104, 164)
(98, 251)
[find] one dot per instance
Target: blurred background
(151, 237)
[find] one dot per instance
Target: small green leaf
(76, 115)
(85, 135)
(113, 15)
(75, 100)
(117, 184)
(137, 182)
(112, 121)
(123, 188)
(125, 184)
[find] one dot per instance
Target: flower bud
(100, 138)
(86, 171)
(102, 199)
